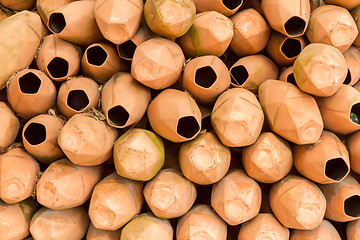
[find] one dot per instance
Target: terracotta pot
(287, 75)
(353, 145)
(157, 63)
(340, 111)
(269, 159)
(263, 226)
(206, 77)
(9, 126)
(45, 7)
(325, 231)
(70, 224)
(291, 18)
(251, 71)
(349, 4)
(77, 95)
(224, 7)
(343, 200)
(251, 32)
(291, 113)
(332, 25)
(18, 5)
(174, 115)
(355, 14)
(297, 203)
(210, 34)
(75, 22)
(168, 18)
(237, 117)
(25, 30)
(352, 58)
(201, 222)
(115, 201)
(98, 234)
(353, 230)
(30, 93)
(124, 100)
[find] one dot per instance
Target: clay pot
(353, 145)
(349, 4)
(355, 14)
(291, 113)
(343, 200)
(251, 32)
(340, 111)
(75, 22)
(40, 136)
(70, 224)
(287, 75)
(251, 71)
(18, 5)
(17, 52)
(353, 230)
(263, 226)
(269, 159)
(283, 49)
(325, 231)
(352, 58)
(332, 25)
(201, 222)
(98, 234)
(205, 78)
(174, 115)
(77, 95)
(45, 7)
(210, 34)
(9, 126)
(115, 201)
(297, 203)
(224, 7)
(30, 93)
(124, 100)
(157, 63)
(291, 18)
(237, 117)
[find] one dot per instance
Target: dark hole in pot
(126, 49)
(232, 4)
(35, 133)
(58, 67)
(239, 75)
(77, 100)
(205, 77)
(187, 127)
(291, 48)
(348, 77)
(96, 55)
(295, 26)
(352, 206)
(118, 116)
(206, 123)
(57, 22)
(336, 169)
(29, 83)
(291, 79)
(355, 109)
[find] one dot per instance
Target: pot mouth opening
(355, 113)
(348, 78)
(239, 75)
(118, 116)
(29, 83)
(187, 127)
(35, 133)
(58, 67)
(336, 169)
(232, 4)
(57, 22)
(352, 206)
(205, 77)
(96, 55)
(77, 100)
(291, 47)
(291, 79)
(126, 50)
(295, 26)
(206, 123)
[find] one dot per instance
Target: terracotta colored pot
(205, 78)
(291, 18)
(340, 111)
(353, 145)
(9, 126)
(237, 117)
(251, 32)
(349, 4)
(77, 95)
(18, 51)
(174, 115)
(98, 234)
(251, 71)
(332, 25)
(263, 226)
(287, 75)
(355, 14)
(30, 93)
(138, 154)
(353, 230)
(124, 100)
(115, 201)
(18, 5)
(70, 224)
(224, 7)
(325, 231)
(297, 203)
(201, 222)
(75, 22)
(210, 34)
(157, 63)
(352, 58)
(269, 159)
(343, 200)
(45, 7)
(291, 113)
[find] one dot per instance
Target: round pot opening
(352, 206)
(239, 75)
(232, 4)
(291, 48)
(57, 22)
(118, 116)
(336, 169)
(205, 77)
(187, 127)
(35, 133)
(126, 50)
(96, 55)
(29, 83)
(58, 67)
(77, 100)
(295, 26)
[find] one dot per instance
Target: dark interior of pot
(126, 49)
(291, 79)
(35, 133)
(336, 169)
(205, 77)
(348, 78)
(352, 206)
(291, 47)
(239, 75)
(187, 127)
(232, 4)
(57, 22)
(295, 26)
(118, 116)
(58, 67)
(77, 100)
(96, 55)
(29, 83)
(355, 109)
